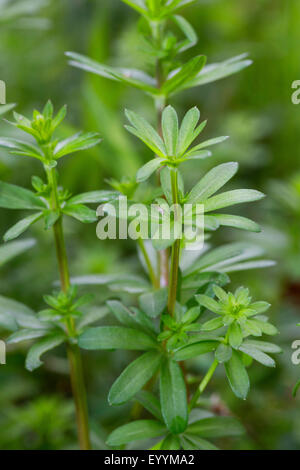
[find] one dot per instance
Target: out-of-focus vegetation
(254, 107)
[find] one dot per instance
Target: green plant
(170, 323)
(62, 321)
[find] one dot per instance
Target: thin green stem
(175, 248)
(73, 351)
(153, 278)
(203, 384)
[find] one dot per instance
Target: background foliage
(253, 107)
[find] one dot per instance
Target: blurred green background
(254, 107)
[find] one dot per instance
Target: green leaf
(173, 397)
(26, 334)
(230, 198)
(215, 427)
(187, 133)
(6, 108)
(132, 77)
(149, 401)
(171, 442)
(209, 303)
(21, 226)
(14, 197)
(213, 324)
(263, 346)
(193, 442)
(258, 355)
(137, 430)
(170, 129)
(214, 72)
(154, 303)
(50, 218)
(258, 264)
(237, 222)
(189, 32)
(237, 375)
(76, 143)
(223, 353)
(212, 182)
(13, 249)
(146, 133)
(35, 352)
(132, 318)
(80, 212)
(134, 377)
(115, 337)
(18, 313)
(195, 349)
(265, 327)
(93, 197)
(148, 169)
(235, 335)
(184, 74)
(224, 256)
(18, 147)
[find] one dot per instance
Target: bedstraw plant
(185, 310)
(169, 322)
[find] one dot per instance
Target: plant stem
(175, 248)
(153, 278)
(73, 351)
(203, 384)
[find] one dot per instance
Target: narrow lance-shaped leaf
(195, 349)
(18, 147)
(214, 72)
(184, 74)
(21, 226)
(81, 213)
(237, 375)
(76, 143)
(134, 377)
(173, 397)
(116, 337)
(15, 197)
(13, 249)
(148, 169)
(258, 355)
(93, 197)
(237, 222)
(170, 129)
(188, 30)
(187, 130)
(227, 255)
(137, 430)
(132, 77)
(35, 352)
(26, 334)
(144, 131)
(215, 427)
(230, 198)
(212, 182)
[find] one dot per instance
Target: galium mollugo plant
(169, 320)
(168, 324)
(62, 321)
